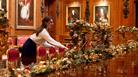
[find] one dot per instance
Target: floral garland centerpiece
(122, 29)
(77, 28)
(102, 37)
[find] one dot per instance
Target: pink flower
(75, 35)
(71, 30)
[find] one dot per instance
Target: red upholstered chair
(13, 57)
(21, 40)
(41, 53)
(61, 52)
(52, 52)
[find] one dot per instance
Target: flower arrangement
(71, 58)
(121, 49)
(77, 28)
(55, 64)
(133, 29)
(122, 29)
(101, 35)
(132, 44)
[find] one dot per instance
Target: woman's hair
(44, 24)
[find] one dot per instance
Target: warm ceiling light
(103, 3)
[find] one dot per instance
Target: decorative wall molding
(42, 7)
(57, 7)
(87, 11)
(126, 8)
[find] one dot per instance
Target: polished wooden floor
(121, 66)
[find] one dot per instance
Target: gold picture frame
(101, 13)
(73, 11)
(25, 14)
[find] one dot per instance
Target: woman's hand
(66, 49)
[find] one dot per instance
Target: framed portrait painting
(101, 13)
(72, 13)
(25, 14)
(4, 4)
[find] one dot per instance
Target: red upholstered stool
(13, 57)
(41, 53)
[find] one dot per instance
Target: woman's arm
(44, 34)
(46, 44)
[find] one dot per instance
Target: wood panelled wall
(116, 16)
(59, 29)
